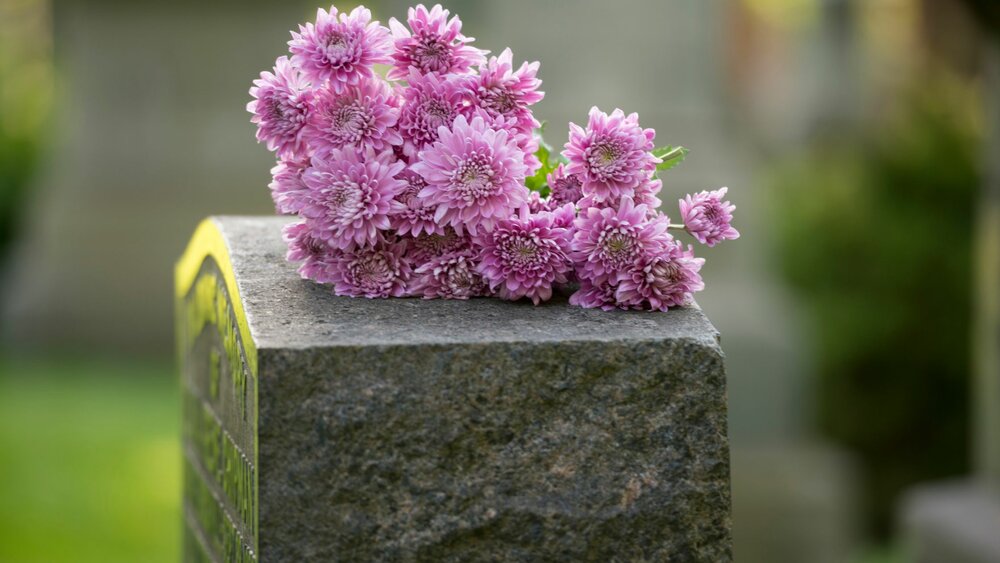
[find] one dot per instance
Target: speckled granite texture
(411, 430)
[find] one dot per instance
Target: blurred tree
(25, 99)
(875, 232)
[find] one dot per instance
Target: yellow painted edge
(207, 241)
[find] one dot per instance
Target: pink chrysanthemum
(524, 256)
(314, 253)
(564, 187)
(708, 218)
(563, 216)
(363, 116)
(340, 50)
(662, 280)
(501, 91)
(289, 192)
(593, 295)
(281, 106)
(450, 276)
(474, 175)
(611, 156)
(644, 194)
(416, 217)
(529, 146)
(608, 241)
(436, 44)
(425, 247)
(376, 271)
(352, 195)
(527, 142)
(537, 204)
(429, 103)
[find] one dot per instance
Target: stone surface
(954, 522)
(441, 431)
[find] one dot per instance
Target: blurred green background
(884, 261)
(853, 135)
(89, 468)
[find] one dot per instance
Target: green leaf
(549, 160)
(538, 182)
(671, 156)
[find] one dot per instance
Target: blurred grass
(89, 462)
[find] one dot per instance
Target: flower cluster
(428, 176)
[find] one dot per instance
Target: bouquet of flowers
(416, 168)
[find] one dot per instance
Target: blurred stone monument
(151, 135)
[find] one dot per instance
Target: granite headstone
(323, 428)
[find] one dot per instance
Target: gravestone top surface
(285, 311)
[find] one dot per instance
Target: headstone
(953, 522)
(784, 488)
(328, 428)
